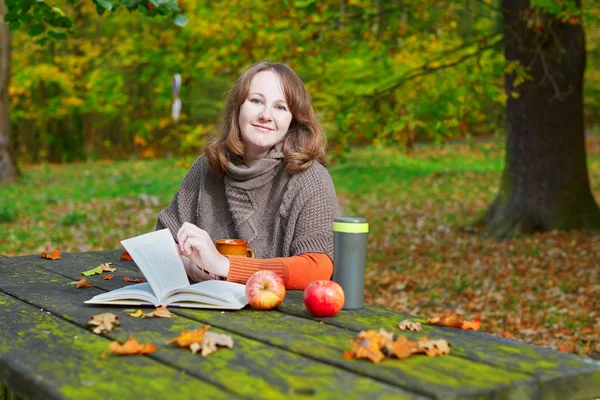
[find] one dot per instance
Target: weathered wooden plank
(444, 377)
(252, 368)
(561, 375)
(71, 265)
(45, 357)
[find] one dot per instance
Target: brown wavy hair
(304, 141)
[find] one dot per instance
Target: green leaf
(43, 41)
(14, 25)
(108, 4)
(57, 34)
(180, 20)
(303, 3)
(35, 30)
(99, 9)
(11, 16)
(93, 271)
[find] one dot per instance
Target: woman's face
(264, 117)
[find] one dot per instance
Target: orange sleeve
(297, 271)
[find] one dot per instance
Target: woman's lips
(266, 128)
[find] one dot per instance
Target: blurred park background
(412, 95)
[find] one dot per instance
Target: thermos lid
(350, 225)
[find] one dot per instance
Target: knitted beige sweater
(280, 215)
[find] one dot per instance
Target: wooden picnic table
(47, 352)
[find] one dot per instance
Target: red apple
(265, 290)
(324, 298)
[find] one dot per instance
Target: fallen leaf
(108, 277)
(83, 284)
(473, 325)
(566, 348)
(433, 348)
(93, 271)
(409, 325)
(186, 338)
(55, 255)
(453, 319)
(103, 322)
(125, 256)
(137, 314)
(131, 347)
(202, 341)
(212, 341)
(369, 345)
(106, 267)
(137, 280)
(587, 330)
(160, 312)
(403, 348)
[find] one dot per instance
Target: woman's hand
(197, 245)
(194, 272)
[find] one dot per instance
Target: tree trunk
(545, 182)
(8, 170)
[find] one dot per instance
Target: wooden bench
(46, 352)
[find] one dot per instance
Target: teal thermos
(349, 258)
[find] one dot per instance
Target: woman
(260, 179)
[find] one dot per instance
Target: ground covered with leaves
(542, 289)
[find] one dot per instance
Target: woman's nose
(265, 115)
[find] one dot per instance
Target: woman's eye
(281, 108)
(255, 101)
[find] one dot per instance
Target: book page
(156, 255)
(218, 293)
(142, 292)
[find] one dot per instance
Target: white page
(140, 291)
(212, 292)
(156, 255)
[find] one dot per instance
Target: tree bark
(8, 170)
(545, 184)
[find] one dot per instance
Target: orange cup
(234, 247)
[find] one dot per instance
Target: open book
(157, 256)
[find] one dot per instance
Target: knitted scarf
(279, 214)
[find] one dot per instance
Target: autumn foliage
(378, 345)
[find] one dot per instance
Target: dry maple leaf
(83, 284)
(451, 319)
(211, 341)
(369, 345)
(55, 255)
(403, 348)
(160, 312)
(455, 320)
(125, 256)
(433, 348)
(108, 277)
(472, 325)
(186, 338)
(106, 267)
(136, 280)
(131, 347)
(409, 325)
(104, 322)
(203, 341)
